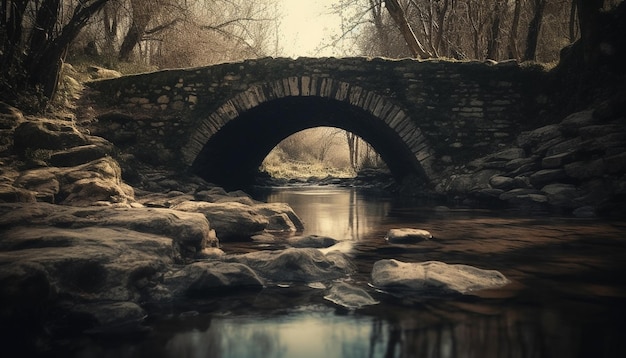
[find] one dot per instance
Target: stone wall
(447, 113)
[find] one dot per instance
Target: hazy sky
(305, 25)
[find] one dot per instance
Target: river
(567, 296)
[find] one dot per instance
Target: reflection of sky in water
(341, 213)
(304, 335)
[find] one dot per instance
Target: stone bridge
(221, 121)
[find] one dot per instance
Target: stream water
(567, 297)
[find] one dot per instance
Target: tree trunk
(534, 28)
(130, 41)
(572, 22)
(396, 12)
(588, 11)
(513, 49)
(493, 41)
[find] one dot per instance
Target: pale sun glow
(306, 26)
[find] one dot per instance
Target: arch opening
(231, 157)
(321, 152)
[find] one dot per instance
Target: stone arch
(310, 93)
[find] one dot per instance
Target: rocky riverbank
(574, 167)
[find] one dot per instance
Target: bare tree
(534, 28)
(35, 42)
(399, 17)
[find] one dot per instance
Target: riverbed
(567, 296)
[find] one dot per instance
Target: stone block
(546, 176)
(585, 169)
(558, 160)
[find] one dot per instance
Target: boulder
(272, 210)
(407, 236)
(202, 279)
(561, 195)
(91, 263)
(501, 182)
(532, 139)
(349, 296)
(46, 134)
(434, 277)
(546, 176)
(83, 185)
(314, 241)
(230, 220)
(79, 155)
(296, 264)
(188, 230)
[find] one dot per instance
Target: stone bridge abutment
(221, 121)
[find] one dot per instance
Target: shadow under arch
(232, 155)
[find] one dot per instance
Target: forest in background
(38, 37)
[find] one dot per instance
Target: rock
(348, 296)
(314, 241)
(466, 183)
(296, 264)
(585, 169)
(107, 317)
(81, 264)
(83, 185)
(189, 230)
(272, 210)
(546, 176)
(434, 277)
(561, 195)
(514, 193)
(532, 139)
(508, 154)
(564, 146)
(11, 194)
(407, 236)
(46, 134)
(558, 160)
(79, 155)
(202, 279)
(501, 182)
(585, 212)
(230, 220)
(574, 121)
(98, 73)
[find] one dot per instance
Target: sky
(305, 25)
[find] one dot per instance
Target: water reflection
(341, 213)
(568, 298)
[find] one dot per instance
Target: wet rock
(558, 160)
(314, 241)
(434, 277)
(407, 236)
(230, 220)
(202, 279)
(296, 265)
(561, 195)
(275, 212)
(82, 264)
(349, 296)
(191, 230)
(106, 317)
(585, 212)
(236, 221)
